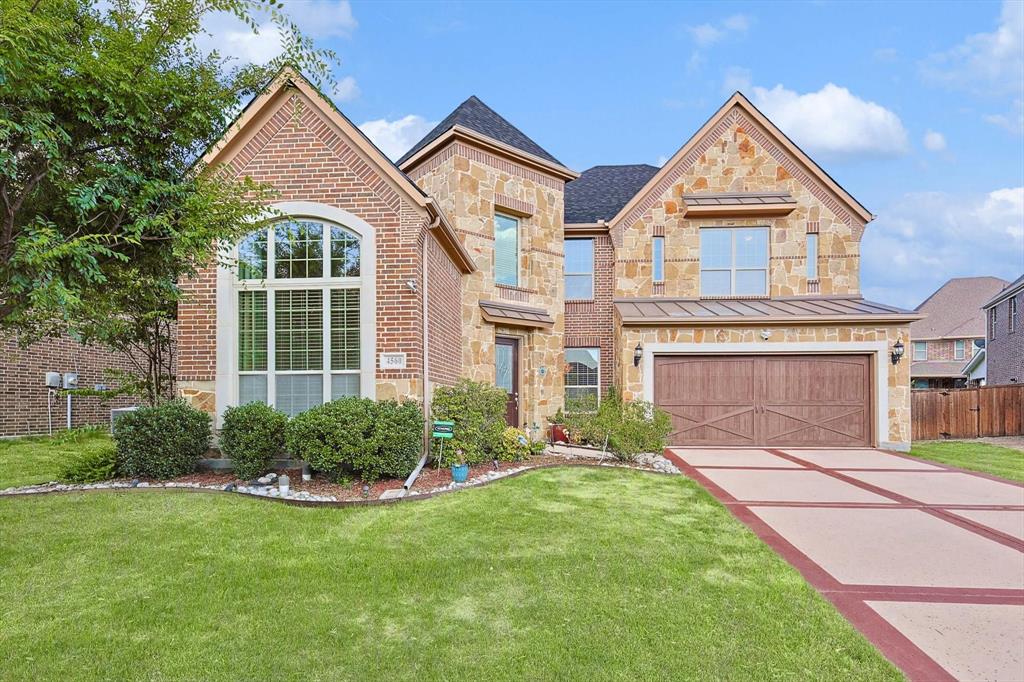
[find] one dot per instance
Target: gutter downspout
(426, 358)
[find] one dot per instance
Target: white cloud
(886, 54)
(662, 160)
(345, 90)
(736, 78)
(934, 142)
(318, 19)
(923, 239)
(1012, 121)
(709, 34)
(833, 123)
(394, 138)
(990, 63)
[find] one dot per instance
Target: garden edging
(60, 488)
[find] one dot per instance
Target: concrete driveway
(927, 561)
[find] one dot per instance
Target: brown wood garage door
(794, 400)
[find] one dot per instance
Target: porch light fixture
(638, 354)
(897, 352)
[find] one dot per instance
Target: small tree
(104, 114)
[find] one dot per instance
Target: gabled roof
(739, 102)
(954, 311)
(601, 191)
(256, 113)
(937, 369)
(475, 115)
(1014, 287)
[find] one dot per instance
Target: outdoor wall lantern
(638, 354)
(897, 352)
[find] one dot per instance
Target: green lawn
(25, 461)
(983, 457)
(558, 574)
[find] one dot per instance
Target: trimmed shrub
(629, 428)
(252, 436)
(373, 439)
(478, 410)
(90, 465)
(163, 441)
(513, 446)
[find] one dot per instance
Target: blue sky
(918, 110)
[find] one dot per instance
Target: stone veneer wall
(632, 380)
(302, 155)
(740, 157)
(470, 185)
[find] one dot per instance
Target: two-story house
(1004, 346)
(723, 286)
(951, 334)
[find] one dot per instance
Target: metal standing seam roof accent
(524, 316)
(739, 199)
(748, 310)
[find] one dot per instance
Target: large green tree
(104, 111)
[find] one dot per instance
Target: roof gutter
(446, 236)
(777, 320)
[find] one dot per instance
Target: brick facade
(444, 316)
(945, 349)
(1004, 355)
(591, 324)
(23, 398)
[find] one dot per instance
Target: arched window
(298, 296)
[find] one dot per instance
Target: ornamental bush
(163, 441)
(478, 410)
(252, 436)
(371, 439)
(513, 446)
(628, 428)
(90, 465)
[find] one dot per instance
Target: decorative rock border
(652, 463)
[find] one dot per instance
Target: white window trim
(591, 273)
(879, 349)
(519, 248)
(732, 269)
(919, 344)
(1011, 314)
(959, 349)
(598, 386)
(228, 286)
(658, 260)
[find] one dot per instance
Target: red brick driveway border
(850, 599)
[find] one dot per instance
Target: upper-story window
(993, 317)
(920, 350)
(959, 349)
(812, 256)
(734, 261)
(298, 301)
(1011, 314)
(579, 268)
(506, 250)
(658, 259)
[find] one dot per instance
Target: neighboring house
(1004, 343)
(723, 286)
(26, 405)
(951, 334)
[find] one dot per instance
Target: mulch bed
(430, 478)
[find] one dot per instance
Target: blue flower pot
(460, 472)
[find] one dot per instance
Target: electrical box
(53, 380)
(70, 380)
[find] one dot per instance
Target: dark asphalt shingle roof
(476, 115)
(600, 192)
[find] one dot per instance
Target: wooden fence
(967, 412)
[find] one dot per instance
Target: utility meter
(53, 380)
(70, 380)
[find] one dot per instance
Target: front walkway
(927, 561)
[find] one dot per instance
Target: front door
(506, 375)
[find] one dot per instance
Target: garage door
(784, 400)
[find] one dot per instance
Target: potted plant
(559, 432)
(460, 470)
